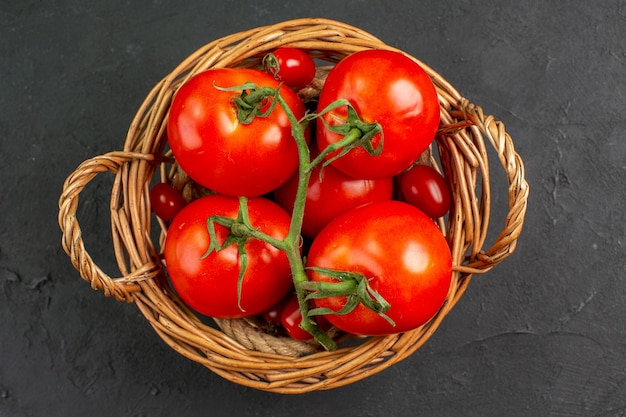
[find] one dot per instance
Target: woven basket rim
(460, 146)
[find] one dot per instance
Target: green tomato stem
(299, 278)
(355, 133)
(292, 241)
(352, 136)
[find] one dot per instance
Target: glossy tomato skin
(330, 193)
(291, 318)
(402, 253)
(166, 201)
(209, 284)
(385, 87)
(426, 189)
(295, 67)
(273, 314)
(219, 152)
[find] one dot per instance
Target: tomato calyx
(240, 231)
(254, 100)
(355, 131)
(352, 285)
(238, 235)
(270, 62)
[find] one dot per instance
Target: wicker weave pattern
(237, 350)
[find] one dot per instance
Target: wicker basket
(236, 349)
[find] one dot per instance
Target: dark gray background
(541, 335)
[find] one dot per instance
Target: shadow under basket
(237, 349)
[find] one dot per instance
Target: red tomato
(391, 89)
(399, 250)
(292, 66)
(218, 151)
(209, 284)
(426, 189)
(274, 313)
(291, 317)
(166, 201)
(331, 193)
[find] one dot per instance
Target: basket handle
(72, 241)
(518, 189)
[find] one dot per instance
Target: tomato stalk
(355, 132)
(354, 286)
(255, 101)
(291, 244)
(270, 62)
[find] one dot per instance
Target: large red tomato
(218, 151)
(385, 87)
(330, 193)
(209, 284)
(402, 254)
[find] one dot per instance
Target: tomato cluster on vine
(313, 219)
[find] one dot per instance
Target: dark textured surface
(541, 335)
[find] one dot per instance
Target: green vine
(255, 101)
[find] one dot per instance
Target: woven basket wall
(236, 349)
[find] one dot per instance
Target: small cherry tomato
(166, 201)
(291, 319)
(292, 66)
(423, 187)
(273, 314)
